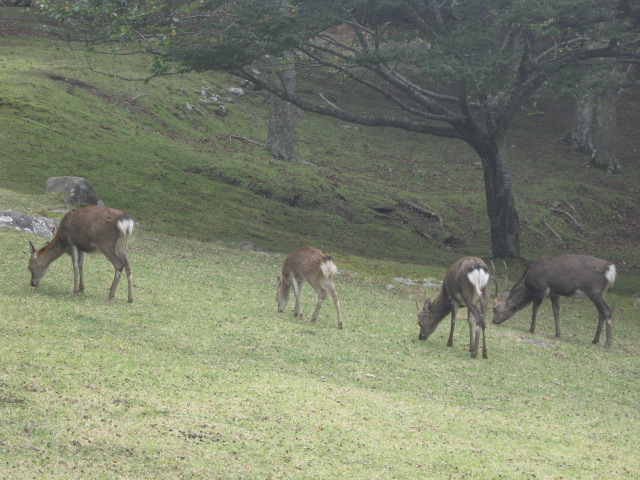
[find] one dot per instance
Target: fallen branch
(564, 202)
(237, 137)
(544, 220)
(564, 212)
(322, 96)
(425, 212)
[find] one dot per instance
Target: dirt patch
(76, 83)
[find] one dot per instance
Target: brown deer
(307, 264)
(86, 230)
(466, 283)
(553, 277)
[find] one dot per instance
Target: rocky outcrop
(74, 190)
(41, 226)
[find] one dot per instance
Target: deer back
(308, 264)
(465, 282)
(90, 228)
(567, 274)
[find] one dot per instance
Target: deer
(466, 283)
(553, 277)
(86, 230)
(311, 265)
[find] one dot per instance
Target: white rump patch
(125, 225)
(479, 279)
(328, 268)
(610, 275)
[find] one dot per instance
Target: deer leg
(470, 318)
(127, 268)
(604, 314)
(477, 314)
(297, 290)
(76, 259)
(596, 339)
(454, 314)
(555, 305)
(322, 293)
(534, 312)
(81, 257)
(114, 284)
(484, 341)
(336, 301)
(607, 342)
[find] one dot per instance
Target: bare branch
(404, 124)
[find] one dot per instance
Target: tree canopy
(452, 68)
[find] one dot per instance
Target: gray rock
(74, 190)
(41, 226)
(427, 282)
(254, 247)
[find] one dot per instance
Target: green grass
(201, 378)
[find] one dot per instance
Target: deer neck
(52, 251)
(441, 306)
(519, 297)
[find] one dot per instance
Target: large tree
(281, 135)
(456, 69)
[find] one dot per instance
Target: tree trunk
(281, 138)
(604, 133)
(593, 129)
(582, 124)
(503, 216)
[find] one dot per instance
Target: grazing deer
(465, 284)
(553, 277)
(83, 231)
(307, 264)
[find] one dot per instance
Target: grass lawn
(201, 378)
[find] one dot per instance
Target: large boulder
(40, 226)
(74, 190)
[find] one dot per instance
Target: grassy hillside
(190, 173)
(201, 378)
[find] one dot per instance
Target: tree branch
(333, 111)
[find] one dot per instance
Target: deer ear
(32, 249)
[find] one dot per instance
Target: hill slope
(191, 172)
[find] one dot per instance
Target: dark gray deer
(553, 277)
(466, 283)
(307, 264)
(86, 230)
